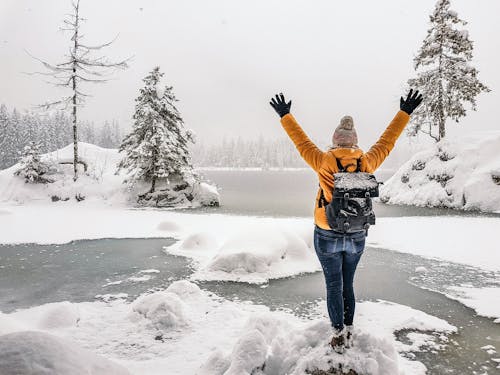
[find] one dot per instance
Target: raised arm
(381, 149)
(307, 149)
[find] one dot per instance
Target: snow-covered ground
(459, 173)
(99, 184)
(184, 330)
(256, 249)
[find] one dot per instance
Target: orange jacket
(325, 163)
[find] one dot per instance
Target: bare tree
(79, 66)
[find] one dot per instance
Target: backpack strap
(339, 165)
(322, 202)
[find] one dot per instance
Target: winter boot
(338, 341)
(349, 336)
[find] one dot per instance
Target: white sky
(226, 58)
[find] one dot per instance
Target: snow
(254, 254)
(460, 173)
(164, 310)
(485, 301)
(185, 330)
(203, 237)
(100, 184)
(421, 269)
(45, 354)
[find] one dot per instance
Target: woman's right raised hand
(280, 105)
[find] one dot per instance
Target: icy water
(94, 269)
(89, 270)
(292, 193)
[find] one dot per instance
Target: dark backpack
(351, 207)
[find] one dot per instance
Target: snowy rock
(165, 310)
(44, 354)
(460, 173)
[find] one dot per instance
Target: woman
(339, 253)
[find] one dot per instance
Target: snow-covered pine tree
(32, 168)
(444, 75)
(157, 147)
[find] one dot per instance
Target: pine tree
(444, 75)
(157, 147)
(32, 168)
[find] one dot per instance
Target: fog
(226, 58)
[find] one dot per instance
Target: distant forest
(52, 131)
(240, 153)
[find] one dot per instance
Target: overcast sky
(226, 58)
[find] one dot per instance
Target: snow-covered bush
(31, 167)
(461, 173)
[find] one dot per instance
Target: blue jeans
(339, 255)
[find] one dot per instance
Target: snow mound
(254, 254)
(184, 289)
(51, 315)
(44, 354)
(164, 310)
(460, 173)
(269, 345)
(198, 242)
(99, 182)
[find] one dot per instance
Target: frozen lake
(88, 270)
(292, 193)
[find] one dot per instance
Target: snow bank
(99, 183)
(44, 354)
(459, 173)
(223, 337)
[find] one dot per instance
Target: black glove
(280, 106)
(412, 101)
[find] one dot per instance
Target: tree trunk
(442, 127)
(75, 93)
(153, 183)
(75, 134)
